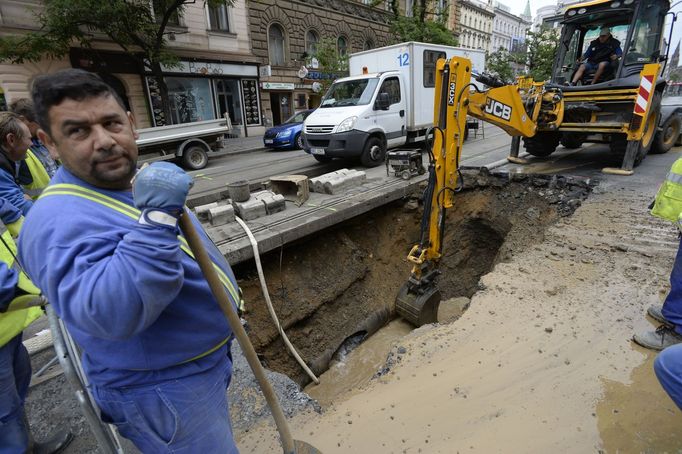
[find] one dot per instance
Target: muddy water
(638, 416)
(351, 371)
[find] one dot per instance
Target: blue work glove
(160, 190)
(8, 212)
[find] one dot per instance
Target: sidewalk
(239, 145)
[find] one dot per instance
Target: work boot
(55, 444)
(663, 337)
(656, 312)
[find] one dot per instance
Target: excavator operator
(601, 56)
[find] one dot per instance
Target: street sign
(277, 86)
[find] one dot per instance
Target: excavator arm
(515, 108)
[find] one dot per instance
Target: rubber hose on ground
(268, 302)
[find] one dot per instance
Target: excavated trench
(336, 288)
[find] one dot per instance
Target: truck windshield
(350, 93)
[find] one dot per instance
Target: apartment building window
(311, 40)
(218, 18)
(276, 45)
(160, 8)
(367, 45)
(342, 46)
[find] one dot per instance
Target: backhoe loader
(622, 109)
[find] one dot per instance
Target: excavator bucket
(418, 304)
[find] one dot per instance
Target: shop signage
(265, 71)
(321, 75)
(277, 86)
(202, 68)
(251, 105)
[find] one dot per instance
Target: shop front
(200, 91)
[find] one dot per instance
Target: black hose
(428, 199)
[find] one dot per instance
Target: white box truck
(387, 102)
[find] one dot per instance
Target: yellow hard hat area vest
(14, 322)
(40, 176)
(668, 203)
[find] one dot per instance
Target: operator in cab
(600, 56)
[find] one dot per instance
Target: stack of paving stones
(259, 204)
(338, 181)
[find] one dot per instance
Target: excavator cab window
(645, 44)
(638, 25)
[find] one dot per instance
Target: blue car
(288, 134)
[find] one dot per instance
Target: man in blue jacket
(107, 255)
(15, 139)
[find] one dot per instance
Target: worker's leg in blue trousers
(15, 376)
(672, 307)
(188, 415)
(668, 368)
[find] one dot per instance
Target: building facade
(473, 23)
(509, 30)
(285, 36)
(217, 74)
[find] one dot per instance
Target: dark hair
(51, 89)
(23, 107)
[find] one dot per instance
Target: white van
(386, 103)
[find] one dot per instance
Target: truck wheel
(374, 152)
(649, 129)
(195, 157)
(298, 141)
(542, 144)
(572, 140)
(667, 136)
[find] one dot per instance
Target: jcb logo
(497, 109)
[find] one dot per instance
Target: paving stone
(221, 215)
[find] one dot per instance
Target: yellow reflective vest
(668, 203)
(40, 176)
(13, 322)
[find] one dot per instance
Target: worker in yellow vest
(38, 167)
(19, 306)
(668, 206)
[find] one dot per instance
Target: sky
(517, 7)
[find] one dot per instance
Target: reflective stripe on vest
(668, 203)
(14, 322)
(40, 176)
(133, 213)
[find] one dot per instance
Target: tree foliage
(499, 63)
(542, 48)
(139, 28)
(329, 59)
(427, 24)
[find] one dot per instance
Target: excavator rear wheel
(572, 140)
(542, 144)
(418, 307)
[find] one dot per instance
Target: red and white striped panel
(645, 87)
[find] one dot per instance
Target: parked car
(288, 134)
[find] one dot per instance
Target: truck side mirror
(382, 102)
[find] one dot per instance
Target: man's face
(15, 145)
(603, 38)
(95, 140)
